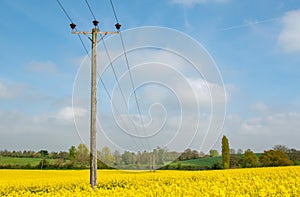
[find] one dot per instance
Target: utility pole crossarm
(99, 32)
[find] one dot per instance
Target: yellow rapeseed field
(281, 181)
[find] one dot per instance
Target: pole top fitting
(118, 26)
(72, 25)
(95, 22)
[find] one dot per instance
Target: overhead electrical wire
(130, 75)
(109, 96)
(87, 3)
(114, 72)
(82, 43)
(63, 9)
(133, 86)
(115, 75)
(68, 16)
(119, 86)
(114, 11)
(103, 84)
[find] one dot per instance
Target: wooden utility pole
(150, 161)
(93, 130)
(93, 125)
(153, 160)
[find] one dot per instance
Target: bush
(234, 160)
(274, 158)
(249, 159)
(297, 162)
(44, 164)
(217, 166)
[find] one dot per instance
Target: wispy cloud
(249, 23)
(43, 67)
(261, 107)
(194, 2)
(67, 113)
(52, 130)
(10, 91)
(289, 37)
(263, 131)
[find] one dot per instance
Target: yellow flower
(281, 181)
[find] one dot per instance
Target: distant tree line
(78, 158)
(279, 155)
(32, 154)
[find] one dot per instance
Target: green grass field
(209, 161)
(201, 162)
(20, 161)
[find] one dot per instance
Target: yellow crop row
(281, 181)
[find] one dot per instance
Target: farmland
(20, 161)
(201, 162)
(283, 181)
(193, 163)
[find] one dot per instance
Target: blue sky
(255, 44)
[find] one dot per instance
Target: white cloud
(53, 131)
(207, 91)
(67, 113)
(20, 131)
(289, 37)
(10, 91)
(263, 132)
(260, 107)
(194, 2)
(43, 67)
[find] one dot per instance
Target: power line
(132, 84)
(118, 26)
(110, 98)
(82, 43)
(73, 26)
(68, 16)
(87, 3)
(103, 84)
(130, 74)
(106, 89)
(114, 72)
(131, 78)
(63, 9)
(113, 8)
(119, 86)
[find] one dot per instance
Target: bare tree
(283, 148)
